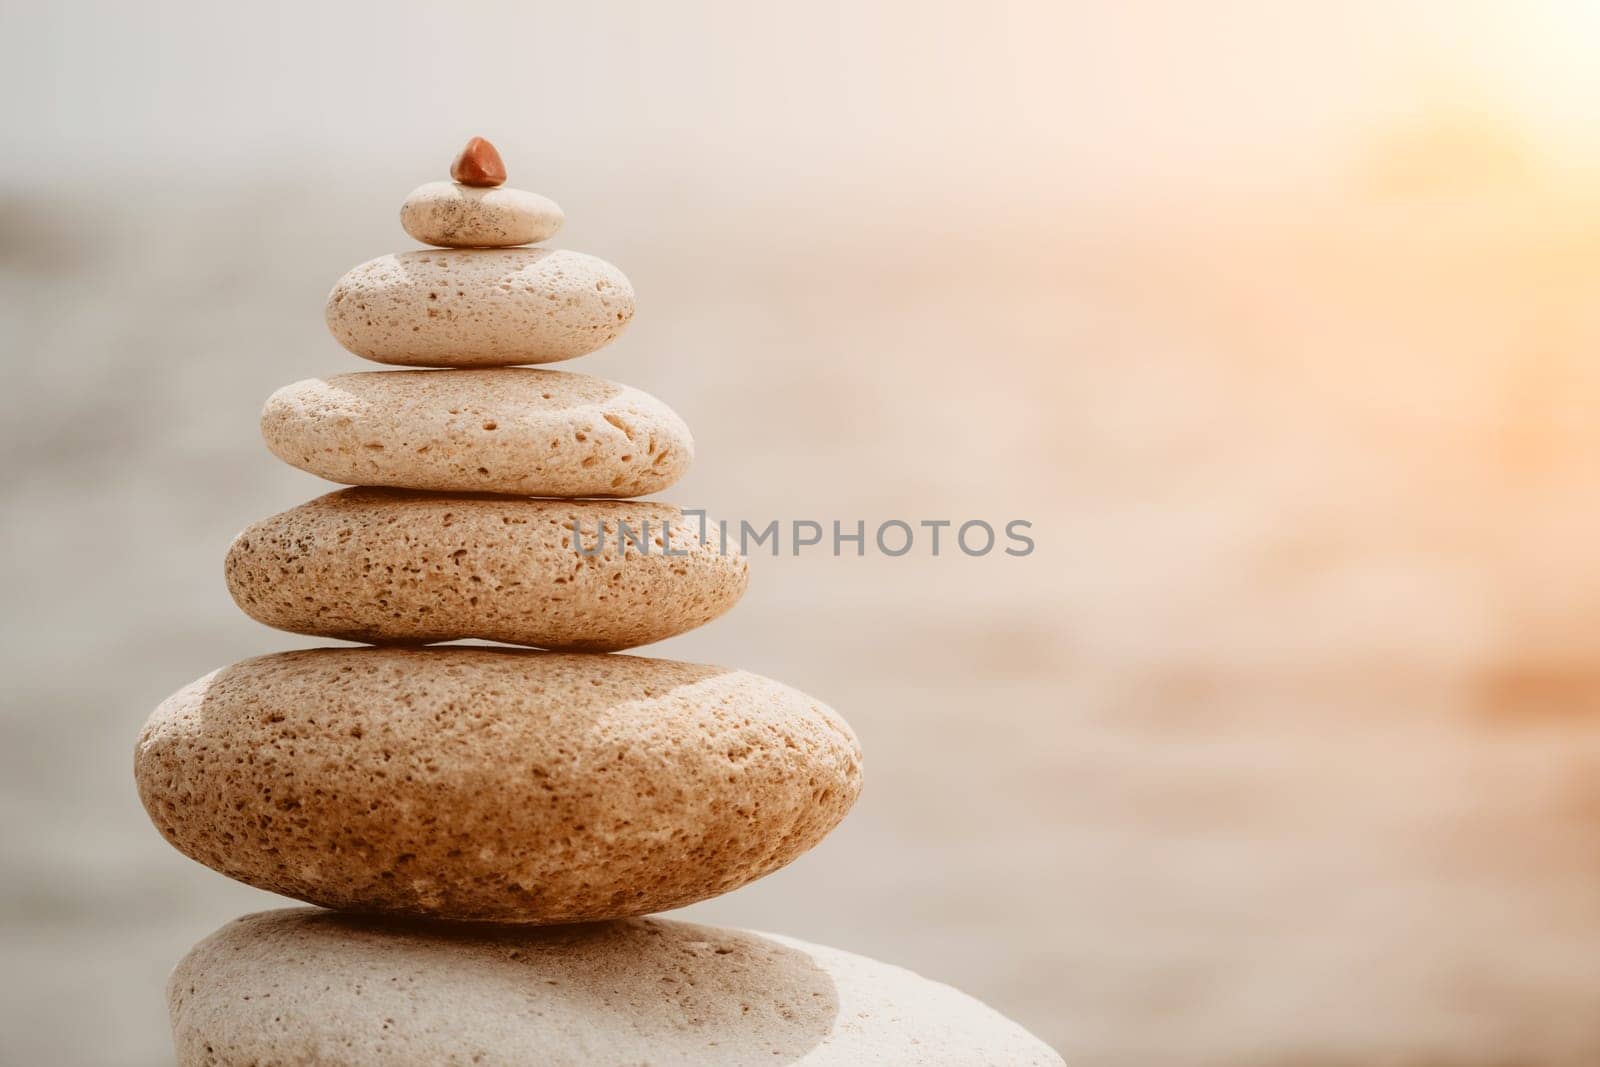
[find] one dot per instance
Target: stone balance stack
(455, 803)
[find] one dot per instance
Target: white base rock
(311, 986)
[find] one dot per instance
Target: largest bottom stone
(493, 784)
(302, 987)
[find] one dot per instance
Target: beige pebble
(391, 565)
(505, 430)
(300, 986)
(493, 784)
(453, 215)
(488, 307)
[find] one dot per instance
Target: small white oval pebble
(452, 215)
(489, 307)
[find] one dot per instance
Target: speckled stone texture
(507, 430)
(300, 986)
(493, 784)
(479, 307)
(392, 565)
(452, 215)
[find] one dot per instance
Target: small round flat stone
(510, 430)
(452, 215)
(302, 986)
(490, 307)
(392, 565)
(501, 785)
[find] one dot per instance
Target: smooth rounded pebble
(506, 430)
(453, 215)
(391, 565)
(490, 307)
(499, 785)
(303, 986)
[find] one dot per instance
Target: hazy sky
(1070, 91)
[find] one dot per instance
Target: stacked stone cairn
(488, 824)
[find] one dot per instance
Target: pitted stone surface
(300, 986)
(393, 565)
(452, 215)
(493, 784)
(511, 430)
(488, 307)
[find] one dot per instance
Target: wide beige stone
(453, 215)
(391, 565)
(479, 307)
(300, 986)
(493, 784)
(505, 430)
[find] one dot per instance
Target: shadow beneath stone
(304, 985)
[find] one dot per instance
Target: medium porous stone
(507, 430)
(493, 784)
(453, 215)
(479, 307)
(390, 565)
(303, 986)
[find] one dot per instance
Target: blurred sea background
(1279, 322)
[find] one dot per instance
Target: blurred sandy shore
(1283, 748)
